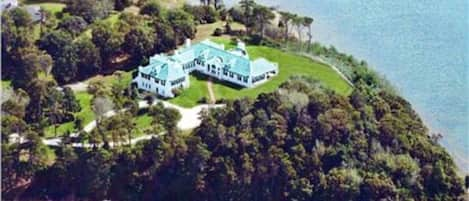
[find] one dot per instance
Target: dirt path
(316, 58)
(213, 100)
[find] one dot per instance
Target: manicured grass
(142, 123)
(86, 114)
(290, 65)
(109, 80)
(190, 96)
(51, 7)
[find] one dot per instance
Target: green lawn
(86, 114)
(190, 96)
(51, 7)
(289, 65)
(109, 80)
(142, 122)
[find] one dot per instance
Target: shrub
(217, 32)
(176, 91)
(202, 100)
(150, 99)
(220, 101)
(202, 14)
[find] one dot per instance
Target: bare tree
(298, 23)
(101, 105)
(45, 63)
(285, 21)
(307, 22)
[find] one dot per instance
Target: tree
(182, 24)
(90, 10)
(73, 25)
(285, 21)
(55, 112)
(377, 187)
(152, 8)
(165, 38)
(90, 61)
(95, 172)
(21, 17)
(65, 66)
(70, 103)
(28, 68)
(55, 42)
(298, 23)
(307, 22)
(202, 14)
(263, 16)
(120, 5)
(247, 6)
(17, 42)
(107, 41)
(43, 97)
(171, 116)
(139, 43)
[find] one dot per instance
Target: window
(258, 78)
(245, 79)
(225, 72)
(178, 81)
(231, 74)
(239, 77)
(157, 81)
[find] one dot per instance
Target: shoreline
(435, 124)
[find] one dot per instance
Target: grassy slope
(289, 65)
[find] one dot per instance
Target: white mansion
(165, 73)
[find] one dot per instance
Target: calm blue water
(422, 47)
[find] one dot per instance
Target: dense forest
(301, 142)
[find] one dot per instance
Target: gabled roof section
(209, 50)
(163, 68)
(261, 65)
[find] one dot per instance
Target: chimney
(187, 42)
